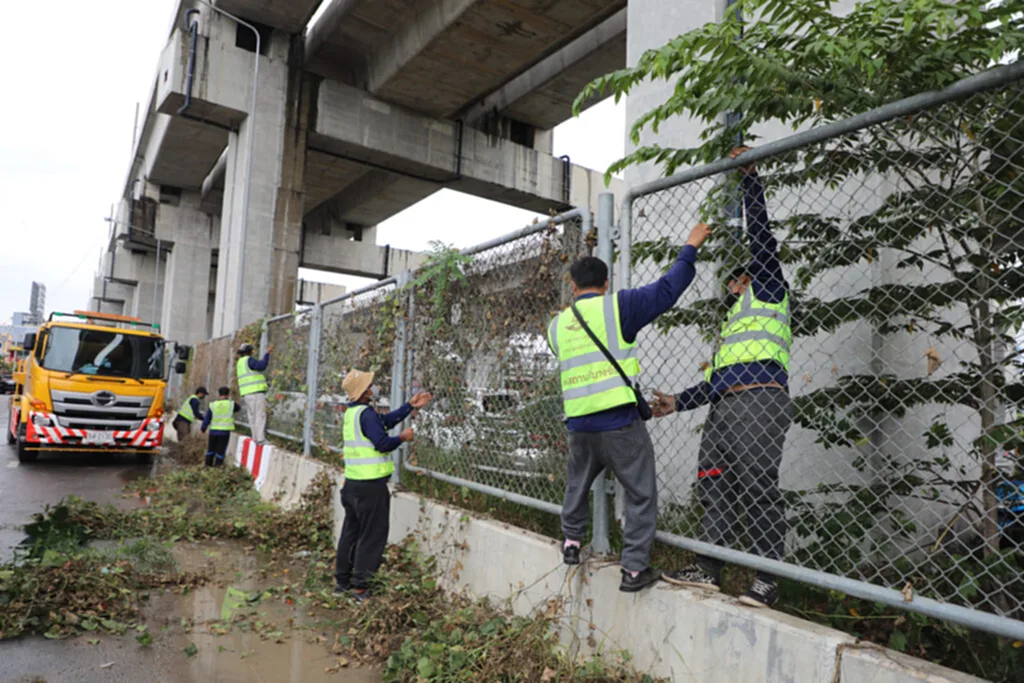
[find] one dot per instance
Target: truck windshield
(96, 352)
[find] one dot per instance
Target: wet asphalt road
(28, 488)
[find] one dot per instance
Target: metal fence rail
(900, 242)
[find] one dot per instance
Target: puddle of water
(268, 641)
(237, 635)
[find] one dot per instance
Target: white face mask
(374, 392)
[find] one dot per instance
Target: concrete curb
(687, 635)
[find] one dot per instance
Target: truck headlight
(153, 426)
(41, 421)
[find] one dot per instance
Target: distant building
(37, 303)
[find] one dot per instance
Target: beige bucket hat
(356, 382)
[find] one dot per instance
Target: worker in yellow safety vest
(594, 341)
(365, 495)
(252, 387)
(220, 420)
(747, 385)
(188, 413)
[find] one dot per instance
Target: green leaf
(190, 650)
(144, 639)
(425, 667)
(898, 641)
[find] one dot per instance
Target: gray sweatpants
(629, 454)
(256, 411)
(740, 453)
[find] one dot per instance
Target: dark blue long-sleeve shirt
(208, 418)
(769, 285)
(375, 426)
(259, 365)
(638, 308)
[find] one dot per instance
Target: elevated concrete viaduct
(360, 114)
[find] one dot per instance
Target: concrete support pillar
(289, 206)
(190, 235)
(143, 265)
(272, 232)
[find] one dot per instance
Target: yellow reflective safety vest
(223, 419)
(185, 411)
(249, 380)
(590, 383)
(362, 460)
(755, 331)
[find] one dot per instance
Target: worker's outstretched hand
(663, 404)
(736, 151)
(407, 435)
(270, 348)
(700, 232)
(420, 400)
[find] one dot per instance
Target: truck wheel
(25, 455)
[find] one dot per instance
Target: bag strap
(604, 350)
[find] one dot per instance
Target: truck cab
(90, 382)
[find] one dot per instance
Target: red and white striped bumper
(143, 437)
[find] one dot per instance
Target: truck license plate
(100, 438)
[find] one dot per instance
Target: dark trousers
(364, 534)
(182, 428)
(217, 448)
(629, 454)
(740, 453)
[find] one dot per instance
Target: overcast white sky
(66, 135)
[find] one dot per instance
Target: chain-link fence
(880, 281)
(356, 331)
(477, 342)
(288, 338)
(891, 250)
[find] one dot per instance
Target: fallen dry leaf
(934, 359)
(908, 592)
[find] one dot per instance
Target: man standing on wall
(365, 495)
(605, 427)
(747, 385)
(187, 413)
(252, 386)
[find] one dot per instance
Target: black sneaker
(341, 589)
(360, 597)
(692, 576)
(632, 584)
(762, 593)
(570, 554)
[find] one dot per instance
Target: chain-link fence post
(264, 335)
(398, 370)
(312, 373)
(606, 252)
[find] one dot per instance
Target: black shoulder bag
(642, 406)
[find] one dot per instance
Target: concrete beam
(412, 39)
(485, 42)
(326, 26)
(333, 253)
(221, 95)
(181, 151)
(360, 128)
(542, 96)
(291, 16)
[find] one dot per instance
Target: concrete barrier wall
(687, 635)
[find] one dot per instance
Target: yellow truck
(90, 382)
